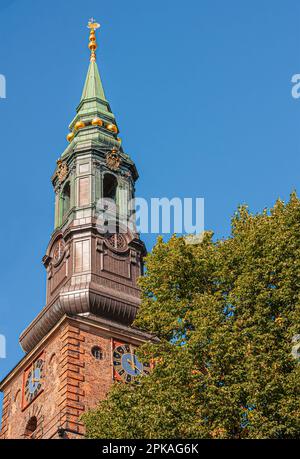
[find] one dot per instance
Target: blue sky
(202, 93)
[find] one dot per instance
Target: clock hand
(33, 378)
(131, 353)
(130, 363)
(133, 366)
(32, 375)
(135, 359)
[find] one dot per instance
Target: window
(66, 197)
(97, 353)
(31, 427)
(110, 185)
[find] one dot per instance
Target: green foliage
(225, 313)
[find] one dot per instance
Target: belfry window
(31, 427)
(110, 184)
(66, 198)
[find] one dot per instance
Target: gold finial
(93, 25)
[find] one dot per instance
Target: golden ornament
(112, 127)
(79, 125)
(113, 159)
(97, 122)
(62, 171)
(70, 136)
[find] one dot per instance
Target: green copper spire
(93, 86)
(94, 120)
(93, 101)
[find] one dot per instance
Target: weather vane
(93, 25)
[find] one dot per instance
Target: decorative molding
(62, 171)
(113, 160)
(133, 257)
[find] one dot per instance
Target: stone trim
(71, 376)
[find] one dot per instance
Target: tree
(226, 313)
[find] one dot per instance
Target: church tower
(82, 340)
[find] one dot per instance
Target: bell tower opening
(110, 184)
(93, 262)
(31, 427)
(66, 199)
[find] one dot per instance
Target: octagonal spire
(93, 86)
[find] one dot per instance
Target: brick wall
(74, 381)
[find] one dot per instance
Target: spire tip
(93, 25)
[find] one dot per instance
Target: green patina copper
(90, 144)
(93, 84)
(93, 103)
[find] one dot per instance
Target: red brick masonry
(73, 380)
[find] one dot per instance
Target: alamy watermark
(2, 87)
(156, 216)
(2, 347)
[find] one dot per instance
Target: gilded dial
(127, 365)
(58, 251)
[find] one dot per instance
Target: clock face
(127, 365)
(58, 251)
(33, 384)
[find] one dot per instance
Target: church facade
(83, 339)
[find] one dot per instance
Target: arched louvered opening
(110, 184)
(31, 427)
(66, 198)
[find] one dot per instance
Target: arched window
(110, 184)
(66, 197)
(31, 427)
